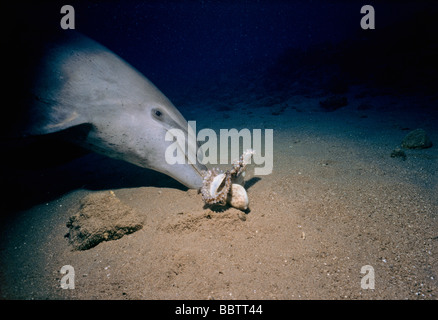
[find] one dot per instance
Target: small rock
(398, 153)
(416, 139)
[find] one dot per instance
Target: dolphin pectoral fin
(64, 123)
(60, 123)
(49, 115)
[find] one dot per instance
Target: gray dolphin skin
(79, 82)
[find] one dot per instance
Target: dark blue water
(181, 44)
(178, 44)
(191, 40)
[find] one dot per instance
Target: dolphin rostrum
(79, 82)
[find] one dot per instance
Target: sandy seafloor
(335, 202)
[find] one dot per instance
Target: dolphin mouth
(198, 170)
(192, 149)
(197, 167)
(189, 174)
(188, 170)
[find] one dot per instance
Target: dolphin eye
(157, 114)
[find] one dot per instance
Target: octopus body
(221, 182)
(217, 184)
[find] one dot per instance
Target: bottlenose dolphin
(79, 83)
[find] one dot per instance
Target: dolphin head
(164, 119)
(132, 119)
(143, 140)
(83, 82)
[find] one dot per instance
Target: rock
(333, 103)
(416, 139)
(398, 153)
(101, 217)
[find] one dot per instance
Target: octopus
(223, 188)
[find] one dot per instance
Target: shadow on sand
(44, 171)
